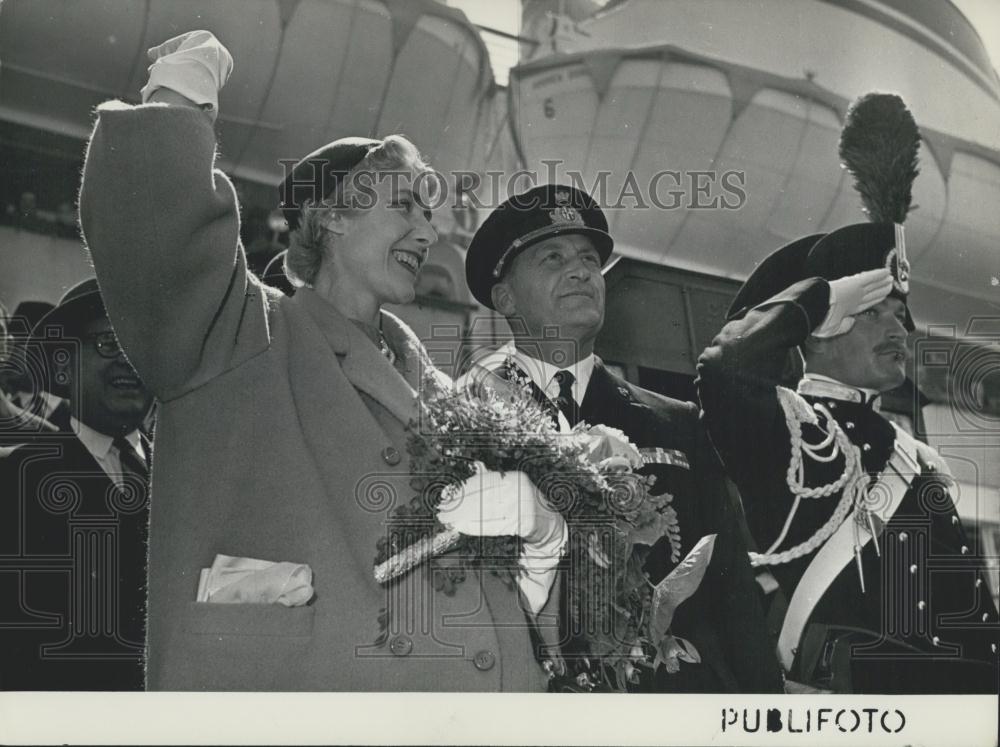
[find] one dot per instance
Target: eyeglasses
(106, 344)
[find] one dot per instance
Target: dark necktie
(132, 464)
(565, 402)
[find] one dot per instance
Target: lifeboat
(307, 71)
(712, 127)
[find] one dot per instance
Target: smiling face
(112, 398)
(872, 355)
(377, 248)
(556, 283)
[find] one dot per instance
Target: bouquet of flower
(590, 477)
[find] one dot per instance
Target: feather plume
(879, 147)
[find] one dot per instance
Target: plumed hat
(878, 146)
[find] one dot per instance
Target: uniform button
(849, 425)
(936, 641)
(921, 605)
(986, 616)
(833, 405)
(484, 660)
(913, 568)
(866, 447)
(400, 645)
(931, 467)
(965, 550)
(979, 582)
(993, 647)
(903, 536)
(391, 455)
(954, 520)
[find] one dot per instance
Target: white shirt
(543, 375)
(101, 447)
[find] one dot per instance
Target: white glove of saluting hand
(491, 504)
(194, 64)
(850, 296)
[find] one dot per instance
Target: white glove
(491, 504)
(194, 64)
(850, 296)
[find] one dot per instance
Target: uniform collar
(824, 387)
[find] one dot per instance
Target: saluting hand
(194, 65)
(850, 296)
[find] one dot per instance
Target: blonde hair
(309, 242)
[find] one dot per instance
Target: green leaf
(678, 585)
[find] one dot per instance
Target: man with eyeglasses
(74, 515)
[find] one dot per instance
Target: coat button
(866, 447)
(484, 660)
(903, 536)
(921, 605)
(965, 550)
(400, 645)
(913, 568)
(979, 582)
(936, 641)
(850, 425)
(391, 455)
(986, 617)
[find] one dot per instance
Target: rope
(797, 411)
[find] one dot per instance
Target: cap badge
(897, 264)
(564, 212)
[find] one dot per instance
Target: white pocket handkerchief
(248, 581)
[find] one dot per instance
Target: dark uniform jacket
(926, 621)
(72, 588)
(724, 618)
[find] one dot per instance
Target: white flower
(610, 448)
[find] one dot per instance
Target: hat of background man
(317, 176)
(79, 306)
(524, 220)
(28, 313)
(878, 145)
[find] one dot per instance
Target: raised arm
(738, 373)
(162, 226)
